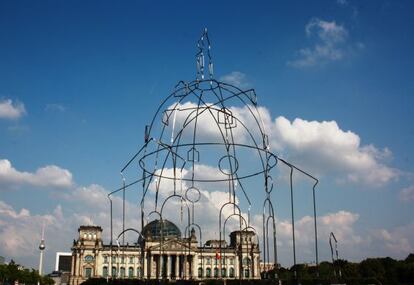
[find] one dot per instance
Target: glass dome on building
(155, 228)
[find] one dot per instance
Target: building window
(114, 271)
(131, 259)
(247, 273)
(122, 272)
(231, 271)
(130, 272)
(139, 272)
(113, 259)
(231, 261)
(208, 272)
(88, 272)
(216, 272)
(105, 271)
(105, 259)
(122, 259)
(246, 261)
(215, 261)
(200, 272)
(89, 258)
(208, 260)
(223, 272)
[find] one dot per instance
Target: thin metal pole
(293, 222)
(110, 244)
(315, 230)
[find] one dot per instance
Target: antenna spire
(42, 247)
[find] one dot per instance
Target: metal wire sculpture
(202, 123)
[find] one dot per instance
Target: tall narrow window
(105, 271)
(88, 272)
(231, 272)
(139, 272)
(122, 272)
(114, 272)
(216, 272)
(130, 272)
(208, 272)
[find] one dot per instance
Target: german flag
(218, 254)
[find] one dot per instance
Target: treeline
(12, 272)
(369, 271)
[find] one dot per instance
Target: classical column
(72, 269)
(185, 267)
(145, 266)
(236, 266)
(177, 266)
(160, 263)
(193, 266)
(168, 266)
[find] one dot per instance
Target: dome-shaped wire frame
(214, 123)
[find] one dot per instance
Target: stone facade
(163, 254)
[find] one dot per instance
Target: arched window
(105, 271)
(139, 272)
(122, 272)
(246, 261)
(247, 273)
(113, 271)
(231, 271)
(200, 272)
(223, 272)
(88, 272)
(208, 272)
(130, 272)
(216, 272)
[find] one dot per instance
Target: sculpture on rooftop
(209, 134)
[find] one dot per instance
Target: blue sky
(80, 80)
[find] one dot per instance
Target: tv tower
(42, 247)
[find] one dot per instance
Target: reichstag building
(162, 253)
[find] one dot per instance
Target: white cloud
(342, 2)
(47, 176)
(407, 194)
(236, 78)
(55, 107)
(320, 147)
(397, 242)
(331, 44)
(323, 147)
(11, 110)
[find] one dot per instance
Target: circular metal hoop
(233, 165)
(195, 197)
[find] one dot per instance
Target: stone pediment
(171, 245)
